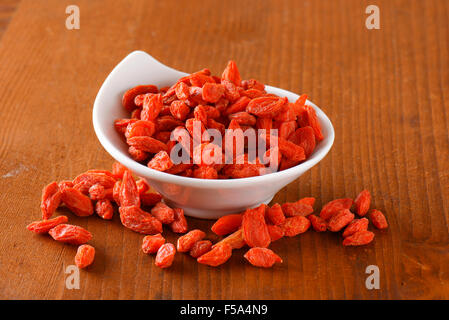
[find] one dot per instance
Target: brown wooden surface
(385, 90)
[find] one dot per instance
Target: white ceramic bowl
(209, 199)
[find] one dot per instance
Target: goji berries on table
(360, 238)
(200, 248)
(70, 234)
(77, 202)
(355, 226)
(51, 198)
(85, 256)
(165, 255)
(378, 219)
(45, 225)
(217, 256)
(255, 231)
(186, 242)
(335, 206)
(152, 243)
(340, 220)
(262, 257)
(227, 224)
(362, 203)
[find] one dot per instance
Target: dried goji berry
(200, 248)
(151, 244)
(142, 186)
(378, 219)
(340, 220)
(359, 238)
(217, 256)
(243, 118)
(308, 200)
(104, 209)
(45, 225)
(179, 109)
(295, 225)
(305, 138)
(98, 192)
(235, 240)
(318, 224)
(84, 181)
(355, 226)
(238, 106)
(362, 203)
(140, 128)
(163, 213)
(165, 255)
(275, 214)
(335, 206)
(227, 224)
(232, 73)
(308, 117)
(139, 221)
(255, 231)
(70, 234)
(128, 97)
(276, 232)
(116, 192)
(161, 161)
(85, 256)
(129, 195)
(253, 84)
(147, 144)
(150, 199)
(51, 198)
(212, 92)
(152, 106)
(186, 242)
(298, 208)
(77, 202)
(262, 257)
(266, 107)
(137, 155)
(179, 224)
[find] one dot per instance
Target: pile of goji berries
(142, 211)
(219, 103)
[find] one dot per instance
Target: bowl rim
(148, 173)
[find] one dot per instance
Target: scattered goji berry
(51, 198)
(140, 221)
(70, 234)
(362, 203)
(45, 225)
(152, 243)
(235, 240)
(262, 257)
(217, 256)
(340, 220)
(298, 208)
(227, 224)
(165, 255)
(104, 209)
(335, 206)
(161, 161)
(275, 214)
(186, 242)
(276, 232)
(179, 224)
(129, 195)
(318, 224)
(77, 202)
(255, 231)
(85, 256)
(360, 238)
(163, 213)
(200, 248)
(378, 219)
(355, 226)
(295, 225)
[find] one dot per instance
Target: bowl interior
(140, 68)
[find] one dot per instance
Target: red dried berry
(200, 248)
(45, 225)
(262, 257)
(359, 238)
(165, 255)
(85, 256)
(186, 242)
(362, 203)
(217, 256)
(151, 244)
(227, 224)
(355, 226)
(70, 234)
(378, 219)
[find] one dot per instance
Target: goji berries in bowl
(202, 198)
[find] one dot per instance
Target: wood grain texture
(385, 90)
(7, 9)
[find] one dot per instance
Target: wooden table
(385, 90)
